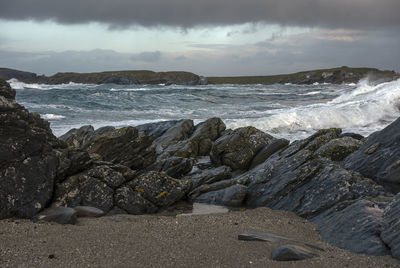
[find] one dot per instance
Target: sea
(284, 111)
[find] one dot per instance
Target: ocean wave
(52, 116)
(365, 109)
(18, 85)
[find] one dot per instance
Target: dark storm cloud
(186, 13)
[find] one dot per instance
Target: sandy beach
(168, 241)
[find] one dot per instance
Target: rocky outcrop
(115, 77)
(379, 157)
(28, 162)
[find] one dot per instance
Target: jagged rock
(93, 187)
(133, 202)
(78, 137)
(291, 253)
(216, 186)
(157, 129)
(175, 167)
(238, 147)
(268, 150)
(391, 233)
(71, 161)
(208, 176)
(86, 211)
(180, 131)
(378, 158)
(124, 146)
(28, 163)
(231, 196)
(339, 149)
(62, 215)
(159, 188)
(355, 226)
(352, 135)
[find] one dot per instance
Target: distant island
(338, 75)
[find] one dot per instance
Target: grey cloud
(152, 56)
(190, 13)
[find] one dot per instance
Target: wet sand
(168, 241)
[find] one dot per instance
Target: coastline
(345, 184)
(168, 241)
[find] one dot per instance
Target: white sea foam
(52, 116)
(365, 109)
(18, 85)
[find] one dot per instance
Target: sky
(207, 37)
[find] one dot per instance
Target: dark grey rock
(355, 226)
(132, 201)
(352, 135)
(175, 167)
(378, 158)
(124, 146)
(157, 129)
(86, 211)
(87, 190)
(62, 215)
(216, 186)
(339, 149)
(268, 150)
(180, 131)
(268, 237)
(78, 137)
(208, 176)
(159, 188)
(291, 253)
(238, 147)
(232, 196)
(28, 162)
(391, 233)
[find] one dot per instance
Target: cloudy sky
(207, 37)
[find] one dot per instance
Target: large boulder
(391, 234)
(28, 162)
(159, 188)
(379, 157)
(94, 187)
(355, 226)
(238, 147)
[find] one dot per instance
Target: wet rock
(216, 186)
(355, 226)
(238, 147)
(159, 188)
(268, 150)
(232, 196)
(173, 166)
(78, 137)
(28, 162)
(379, 157)
(86, 211)
(124, 146)
(352, 135)
(339, 149)
(208, 176)
(391, 233)
(133, 202)
(291, 253)
(88, 188)
(180, 131)
(157, 129)
(62, 215)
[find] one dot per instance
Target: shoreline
(168, 241)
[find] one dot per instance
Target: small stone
(86, 211)
(291, 253)
(62, 215)
(52, 256)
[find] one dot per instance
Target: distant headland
(337, 75)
